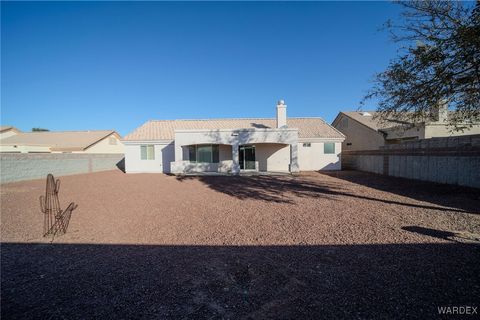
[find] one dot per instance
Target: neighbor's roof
(165, 129)
(367, 118)
(59, 140)
(6, 128)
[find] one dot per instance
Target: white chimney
(440, 111)
(281, 114)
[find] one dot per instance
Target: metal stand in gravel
(55, 219)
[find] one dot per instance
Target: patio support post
(294, 158)
(178, 151)
(236, 162)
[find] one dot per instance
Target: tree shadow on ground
(83, 281)
(445, 235)
(283, 189)
(463, 198)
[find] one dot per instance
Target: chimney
(440, 112)
(281, 114)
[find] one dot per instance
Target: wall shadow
(168, 155)
(462, 198)
(121, 165)
(82, 281)
(280, 189)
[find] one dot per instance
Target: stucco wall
(313, 158)
(360, 136)
(7, 134)
(434, 130)
(236, 137)
(272, 157)
(450, 160)
(164, 155)
(29, 166)
(417, 132)
(104, 146)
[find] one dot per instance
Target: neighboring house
(8, 131)
(234, 145)
(97, 141)
(364, 131)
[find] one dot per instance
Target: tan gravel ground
(337, 245)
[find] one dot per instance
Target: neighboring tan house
(364, 131)
(8, 131)
(234, 145)
(96, 141)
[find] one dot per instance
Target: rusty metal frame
(55, 219)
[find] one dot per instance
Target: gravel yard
(342, 244)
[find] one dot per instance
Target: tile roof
(165, 129)
(376, 123)
(6, 128)
(59, 140)
(367, 118)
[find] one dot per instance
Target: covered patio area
(236, 151)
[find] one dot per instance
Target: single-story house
(8, 131)
(364, 130)
(234, 145)
(95, 141)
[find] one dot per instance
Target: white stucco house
(234, 145)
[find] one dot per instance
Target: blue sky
(115, 65)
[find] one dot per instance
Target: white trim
(235, 130)
(138, 142)
(301, 140)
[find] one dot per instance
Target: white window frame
(148, 155)
(334, 147)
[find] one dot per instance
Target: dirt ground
(343, 244)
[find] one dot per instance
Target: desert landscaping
(249, 246)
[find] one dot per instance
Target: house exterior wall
(235, 138)
(440, 130)
(24, 149)
(164, 155)
(313, 158)
(172, 156)
(399, 133)
(359, 136)
(104, 146)
(272, 156)
(7, 134)
(225, 152)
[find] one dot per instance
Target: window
(147, 152)
(307, 144)
(112, 140)
(349, 143)
(206, 153)
(329, 148)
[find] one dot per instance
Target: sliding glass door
(246, 157)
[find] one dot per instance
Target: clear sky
(115, 65)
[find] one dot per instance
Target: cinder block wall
(29, 166)
(450, 160)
